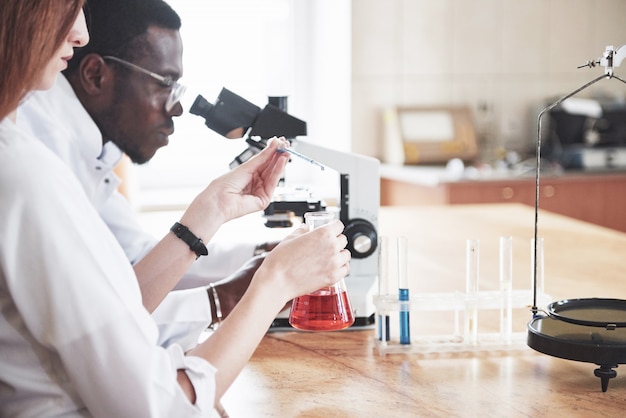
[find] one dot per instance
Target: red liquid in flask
(323, 310)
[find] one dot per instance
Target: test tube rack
(393, 313)
(457, 339)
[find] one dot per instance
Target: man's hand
(230, 289)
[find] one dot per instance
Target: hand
(247, 188)
(298, 265)
(305, 261)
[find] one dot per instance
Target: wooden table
(340, 374)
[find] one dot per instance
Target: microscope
(358, 179)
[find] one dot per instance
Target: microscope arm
(359, 178)
(362, 172)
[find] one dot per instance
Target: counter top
(434, 175)
(341, 374)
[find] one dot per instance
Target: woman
(75, 338)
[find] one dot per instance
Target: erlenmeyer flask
(328, 308)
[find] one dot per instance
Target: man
(120, 94)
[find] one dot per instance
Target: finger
(275, 161)
(274, 144)
(299, 231)
(346, 256)
(269, 155)
(337, 226)
(343, 241)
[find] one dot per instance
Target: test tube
(506, 287)
(403, 293)
(383, 287)
(471, 289)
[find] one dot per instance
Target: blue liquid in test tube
(405, 329)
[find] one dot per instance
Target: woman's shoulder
(27, 165)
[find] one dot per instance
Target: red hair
(31, 31)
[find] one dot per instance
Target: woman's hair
(31, 31)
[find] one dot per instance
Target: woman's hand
(247, 188)
(306, 260)
(302, 263)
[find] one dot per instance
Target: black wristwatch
(195, 244)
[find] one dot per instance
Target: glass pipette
(304, 157)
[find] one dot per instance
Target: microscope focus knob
(362, 238)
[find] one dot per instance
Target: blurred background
(342, 63)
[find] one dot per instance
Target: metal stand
(605, 372)
(570, 340)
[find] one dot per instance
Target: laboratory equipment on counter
(403, 292)
(385, 260)
(328, 308)
(429, 135)
(462, 310)
(302, 156)
(359, 203)
(234, 117)
(588, 329)
(393, 284)
(506, 287)
(358, 179)
(472, 286)
(587, 134)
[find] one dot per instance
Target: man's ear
(94, 75)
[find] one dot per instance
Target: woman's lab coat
(74, 335)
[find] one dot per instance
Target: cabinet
(599, 198)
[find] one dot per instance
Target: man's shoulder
(58, 119)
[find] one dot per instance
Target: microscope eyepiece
(229, 113)
(201, 107)
(234, 117)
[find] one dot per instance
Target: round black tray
(602, 345)
(595, 312)
(577, 342)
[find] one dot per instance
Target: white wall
(507, 55)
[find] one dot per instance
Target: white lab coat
(58, 119)
(75, 338)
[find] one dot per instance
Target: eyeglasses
(177, 89)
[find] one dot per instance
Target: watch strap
(195, 244)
